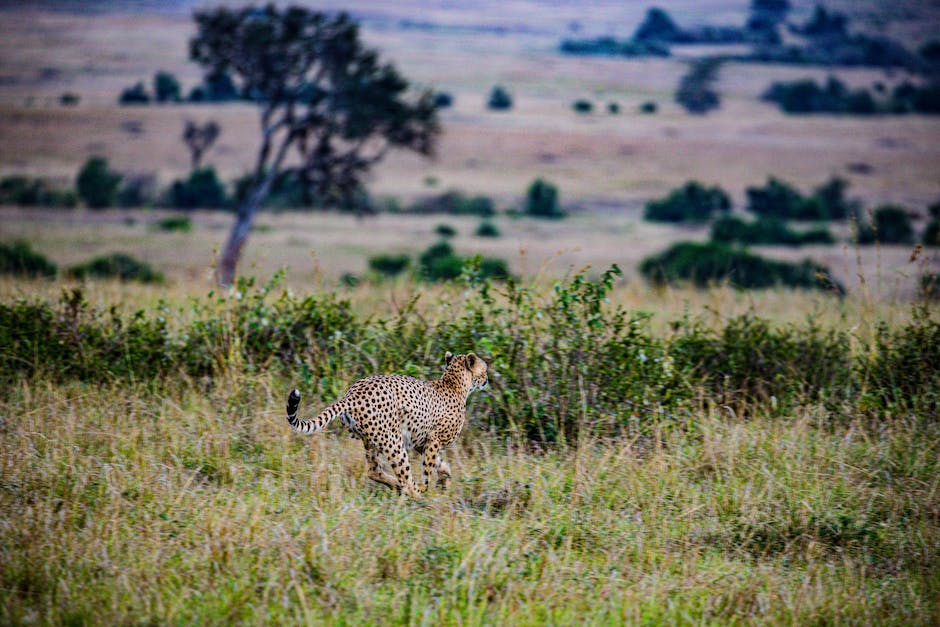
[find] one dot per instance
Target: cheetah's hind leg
(376, 472)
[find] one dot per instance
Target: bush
(69, 99)
(658, 26)
(582, 106)
(693, 202)
(136, 95)
(893, 225)
(613, 108)
(649, 107)
(455, 202)
(439, 262)
(202, 190)
(703, 264)
(765, 230)
(118, 265)
(166, 88)
(443, 100)
(19, 259)
(833, 203)
(695, 92)
(931, 235)
(181, 224)
(499, 99)
(217, 87)
(487, 229)
(27, 192)
(445, 230)
(609, 46)
(389, 265)
(541, 200)
(97, 185)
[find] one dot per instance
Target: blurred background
(572, 133)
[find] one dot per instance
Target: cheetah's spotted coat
(392, 413)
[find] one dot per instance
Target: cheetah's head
(470, 363)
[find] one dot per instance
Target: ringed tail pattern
(308, 426)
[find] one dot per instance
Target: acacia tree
(199, 138)
(323, 97)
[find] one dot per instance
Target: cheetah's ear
(471, 361)
(448, 357)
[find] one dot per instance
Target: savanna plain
(644, 455)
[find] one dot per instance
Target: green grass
(185, 498)
(125, 507)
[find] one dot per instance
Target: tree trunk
(225, 270)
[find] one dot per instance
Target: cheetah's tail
(307, 426)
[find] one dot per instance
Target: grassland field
(188, 500)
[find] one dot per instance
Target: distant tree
(658, 26)
(322, 94)
(767, 14)
(499, 99)
(649, 107)
(695, 91)
(135, 95)
(202, 190)
(582, 106)
(166, 88)
(217, 86)
(443, 100)
(613, 108)
(693, 202)
(69, 99)
(542, 200)
(199, 138)
(893, 225)
(825, 24)
(97, 185)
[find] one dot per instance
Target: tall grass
(703, 470)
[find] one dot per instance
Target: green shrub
(487, 229)
(702, 264)
(445, 230)
(136, 95)
(892, 225)
(658, 25)
(765, 230)
(542, 200)
(693, 202)
(649, 107)
(217, 87)
(166, 88)
(455, 202)
(27, 192)
(613, 108)
(69, 99)
(19, 259)
(610, 46)
(439, 262)
(202, 190)
(117, 265)
(931, 235)
(582, 106)
(389, 265)
(181, 224)
(443, 100)
(97, 184)
(695, 92)
(499, 99)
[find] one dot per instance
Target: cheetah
(394, 413)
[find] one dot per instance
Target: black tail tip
(293, 402)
